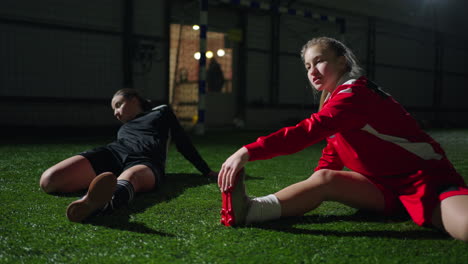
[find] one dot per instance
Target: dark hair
(129, 93)
(340, 49)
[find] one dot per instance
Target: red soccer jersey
(366, 130)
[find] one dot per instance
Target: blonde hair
(340, 49)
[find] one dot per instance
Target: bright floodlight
(196, 27)
(221, 52)
(209, 54)
(197, 55)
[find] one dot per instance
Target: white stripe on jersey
(349, 90)
(423, 150)
(350, 81)
(159, 106)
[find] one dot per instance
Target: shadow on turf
(288, 225)
(175, 184)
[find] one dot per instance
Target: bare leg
(140, 176)
(70, 175)
(452, 216)
(350, 188)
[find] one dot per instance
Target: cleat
(100, 192)
(235, 203)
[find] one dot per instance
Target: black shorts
(102, 159)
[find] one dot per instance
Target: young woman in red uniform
(393, 164)
(134, 163)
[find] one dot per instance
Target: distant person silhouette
(215, 76)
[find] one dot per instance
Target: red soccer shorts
(420, 192)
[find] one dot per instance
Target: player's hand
(230, 168)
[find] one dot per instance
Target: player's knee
(457, 228)
(47, 181)
(463, 233)
(323, 176)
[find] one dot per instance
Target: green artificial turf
(179, 223)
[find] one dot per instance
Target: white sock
(263, 209)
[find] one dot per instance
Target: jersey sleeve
(330, 159)
(345, 110)
(184, 144)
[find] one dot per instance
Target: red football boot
(235, 203)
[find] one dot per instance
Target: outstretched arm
(185, 146)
